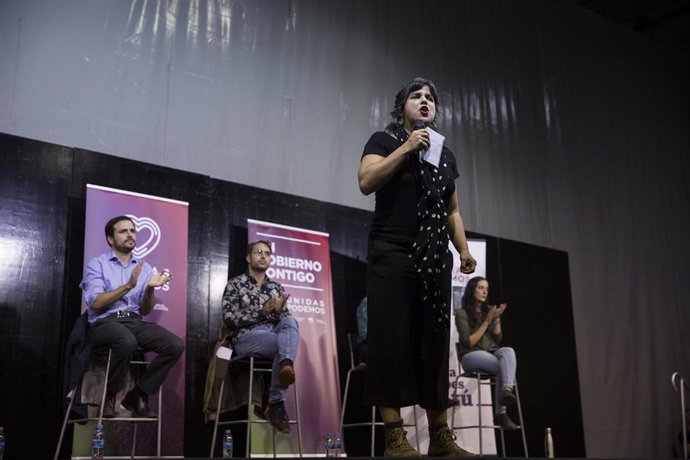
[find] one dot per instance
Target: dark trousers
(123, 336)
(408, 347)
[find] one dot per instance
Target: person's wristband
(495, 322)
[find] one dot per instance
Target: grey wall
(569, 132)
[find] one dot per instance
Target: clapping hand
(280, 302)
(491, 314)
(134, 277)
(500, 309)
(158, 279)
(275, 304)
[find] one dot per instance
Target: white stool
(99, 419)
(256, 364)
(490, 380)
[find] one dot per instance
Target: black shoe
(278, 417)
(109, 407)
(507, 397)
(260, 412)
(505, 422)
(137, 403)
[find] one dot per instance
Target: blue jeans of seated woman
(278, 344)
(502, 363)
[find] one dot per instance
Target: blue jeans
(502, 363)
(279, 343)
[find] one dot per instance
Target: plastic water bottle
(227, 444)
(98, 444)
(2, 443)
(329, 445)
(337, 446)
(548, 444)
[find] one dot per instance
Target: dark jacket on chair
(236, 387)
(77, 354)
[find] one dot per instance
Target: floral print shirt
(243, 302)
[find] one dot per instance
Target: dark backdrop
(41, 252)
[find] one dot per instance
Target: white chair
(490, 380)
(256, 364)
(95, 381)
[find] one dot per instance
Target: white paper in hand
(433, 153)
(224, 353)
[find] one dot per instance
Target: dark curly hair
(399, 108)
(468, 302)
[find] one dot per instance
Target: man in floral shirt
(256, 315)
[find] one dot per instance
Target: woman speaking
(417, 212)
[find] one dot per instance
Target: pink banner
(161, 226)
(302, 264)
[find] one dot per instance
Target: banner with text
(162, 235)
(301, 262)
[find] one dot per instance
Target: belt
(124, 314)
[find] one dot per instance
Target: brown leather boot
(396, 442)
(442, 443)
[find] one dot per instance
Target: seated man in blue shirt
(259, 322)
(119, 291)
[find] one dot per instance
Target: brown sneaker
(397, 444)
(286, 376)
(442, 443)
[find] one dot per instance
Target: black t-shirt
(395, 214)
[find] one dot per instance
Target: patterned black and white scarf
(430, 250)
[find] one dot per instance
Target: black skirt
(408, 347)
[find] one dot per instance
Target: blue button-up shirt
(105, 273)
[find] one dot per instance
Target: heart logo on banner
(142, 225)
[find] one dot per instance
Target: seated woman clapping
(479, 329)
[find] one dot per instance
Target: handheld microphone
(419, 124)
